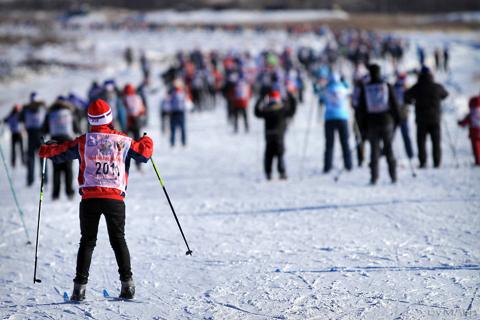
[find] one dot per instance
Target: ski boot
(78, 293)
(128, 290)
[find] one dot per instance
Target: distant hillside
(386, 6)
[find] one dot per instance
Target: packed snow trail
(301, 249)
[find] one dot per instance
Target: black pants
(342, 127)
(134, 131)
(240, 112)
(274, 149)
(114, 212)
(435, 134)
(17, 140)
(384, 135)
(177, 120)
(66, 169)
(164, 115)
(34, 142)
(405, 131)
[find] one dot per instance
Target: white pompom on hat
(99, 113)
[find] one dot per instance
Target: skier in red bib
(472, 120)
(104, 156)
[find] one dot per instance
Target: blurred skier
(335, 98)
(128, 55)
(399, 88)
(33, 116)
(145, 64)
(360, 132)
(80, 108)
(379, 114)
(427, 96)
(446, 59)
(472, 120)
(135, 110)
(13, 121)
(241, 99)
(105, 156)
(111, 96)
(275, 111)
(61, 123)
(177, 103)
(94, 92)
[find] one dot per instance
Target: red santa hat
(99, 113)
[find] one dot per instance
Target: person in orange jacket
(104, 155)
(472, 120)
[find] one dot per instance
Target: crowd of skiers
(65, 117)
(273, 83)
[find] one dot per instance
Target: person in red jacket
(472, 119)
(104, 156)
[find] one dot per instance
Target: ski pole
(412, 169)
(44, 162)
(162, 183)
(14, 194)
(305, 144)
(451, 144)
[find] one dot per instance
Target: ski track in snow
(308, 248)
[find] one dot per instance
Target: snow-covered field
(308, 248)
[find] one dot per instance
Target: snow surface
(307, 248)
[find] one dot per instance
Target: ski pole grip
(42, 139)
(144, 133)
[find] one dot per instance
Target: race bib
(60, 123)
(34, 120)
(177, 102)
(475, 118)
(105, 156)
(377, 97)
(241, 90)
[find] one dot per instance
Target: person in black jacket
(276, 111)
(13, 121)
(427, 96)
(33, 116)
(378, 116)
(61, 123)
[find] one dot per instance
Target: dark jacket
(427, 96)
(276, 115)
(390, 116)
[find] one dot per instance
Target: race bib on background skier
(241, 91)
(60, 123)
(105, 156)
(34, 120)
(377, 97)
(177, 102)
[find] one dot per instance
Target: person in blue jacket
(335, 98)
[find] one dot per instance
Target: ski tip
(105, 293)
(65, 296)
